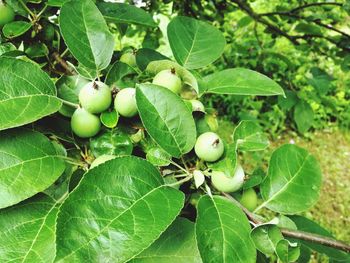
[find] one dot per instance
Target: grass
(332, 150)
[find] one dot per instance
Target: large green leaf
(166, 118)
(241, 81)
(119, 208)
(194, 43)
(223, 232)
(26, 93)
(293, 182)
(176, 245)
(146, 55)
(86, 34)
(28, 231)
(303, 116)
(28, 164)
(310, 226)
(124, 13)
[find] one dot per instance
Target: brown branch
(314, 4)
(246, 8)
(63, 63)
(297, 234)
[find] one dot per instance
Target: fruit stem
(180, 167)
(71, 104)
(180, 182)
(27, 9)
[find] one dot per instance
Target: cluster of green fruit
(96, 97)
(6, 14)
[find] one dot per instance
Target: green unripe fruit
(6, 14)
(209, 147)
(95, 97)
(48, 32)
(84, 124)
(129, 58)
(101, 159)
(249, 199)
(125, 102)
(212, 122)
(168, 79)
(197, 105)
(227, 184)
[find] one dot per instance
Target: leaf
(266, 238)
(176, 245)
(222, 232)
(250, 137)
(288, 102)
(293, 174)
(7, 47)
(28, 165)
(166, 118)
(86, 34)
(117, 72)
(157, 156)
(287, 251)
(241, 81)
(310, 226)
(28, 231)
(26, 93)
(37, 50)
(125, 14)
(195, 44)
(146, 55)
(16, 28)
(303, 116)
(109, 118)
(308, 29)
(57, 3)
(186, 76)
(118, 213)
(228, 162)
(112, 142)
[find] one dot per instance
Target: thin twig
(63, 63)
(315, 4)
(297, 234)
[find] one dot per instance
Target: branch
(258, 18)
(310, 237)
(63, 63)
(314, 4)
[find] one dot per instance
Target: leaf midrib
(111, 222)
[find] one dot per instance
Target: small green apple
(129, 58)
(125, 102)
(249, 199)
(197, 106)
(6, 14)
(168, 79)
(209, 147)
(85, 124)
(228, 184)
(95, 97)
(101, 159)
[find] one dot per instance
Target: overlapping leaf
(26, 93)
(166, 118)
(115, 212)
(194, 43)
(28, 231)
(28, 165)
(176, 245)
(240, 81)
(86, 34)
(293, 174)
(223, 232)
